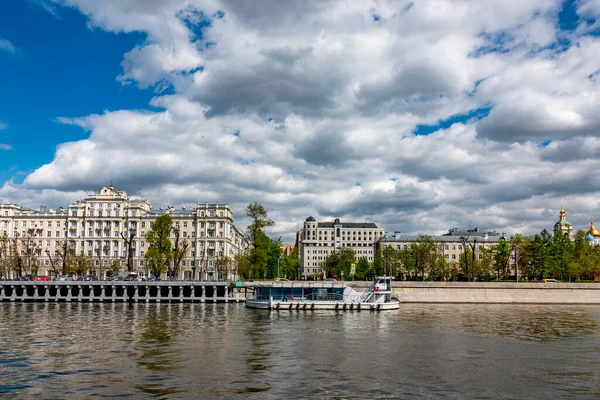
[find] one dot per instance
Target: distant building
(96, 226)
(449, 245)
(592, 234)
(475, 232)
(286, 249)
(563, 227)
(320, 239)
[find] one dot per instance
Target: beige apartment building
(319, 239)
(449, 245)
(101, 225)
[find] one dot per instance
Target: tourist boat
(323, 295)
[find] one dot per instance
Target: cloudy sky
(419, 116)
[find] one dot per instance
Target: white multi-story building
(320, 239)
(100, 226)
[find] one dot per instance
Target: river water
(74, 350)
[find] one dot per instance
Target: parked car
(88, 277)
(132, 277)
(551, 281)
(115, 278)
(41, 278)
(27, 277)
(153, 278)
(63, 278)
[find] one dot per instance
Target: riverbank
(497, 292)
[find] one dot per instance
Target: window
(143, 224)
(74, 213)
(221, 214)
(185, 225)
(57, 234)
(142, 253)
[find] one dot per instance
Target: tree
(181, 247)
(159, 252)
(257, 257)
(223, 267)
(338, 261)
(66, 253)
(4, 256)
(501, 258)
(115, 267)
(81, 266)
(129, 246)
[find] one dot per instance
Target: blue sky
(61, 69)
(480, 112)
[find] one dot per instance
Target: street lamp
(278, 266)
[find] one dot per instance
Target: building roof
(455, 239)
(348, 224)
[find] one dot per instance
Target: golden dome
(593, 231)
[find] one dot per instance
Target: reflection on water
(76, 350)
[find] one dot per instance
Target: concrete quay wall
(497, 292)
(118, 291)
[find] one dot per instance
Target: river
(75, 350)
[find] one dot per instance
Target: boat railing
(327, 297)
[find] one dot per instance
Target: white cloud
(5, 146)
(6, 45)
(309, 108)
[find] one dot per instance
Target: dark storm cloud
(325, 149)
(284, 83)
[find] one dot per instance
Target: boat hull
(321, 305)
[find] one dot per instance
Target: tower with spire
(563, 227)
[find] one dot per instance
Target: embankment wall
(495, 292)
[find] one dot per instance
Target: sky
(420, 116)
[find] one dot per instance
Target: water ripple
(164, 351)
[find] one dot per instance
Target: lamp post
(29, 250)
(201, 266)
(279, 259)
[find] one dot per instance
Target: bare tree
(52, 263)
(179, 251)
(129, 243)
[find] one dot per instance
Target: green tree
(501, 258)
(81, 265)
(338, 261)
(562, 254)
(258, 254)
(115, 267)
(160, 251)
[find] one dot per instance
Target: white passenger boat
(323, 295)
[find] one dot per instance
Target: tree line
(532, 258)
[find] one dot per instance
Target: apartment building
(101, 225)
(450, 244)
(319, 239)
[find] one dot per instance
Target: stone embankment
(118, 291)
(497, 292)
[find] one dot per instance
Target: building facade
(449, 245)
(320, 239)
(108, 226)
